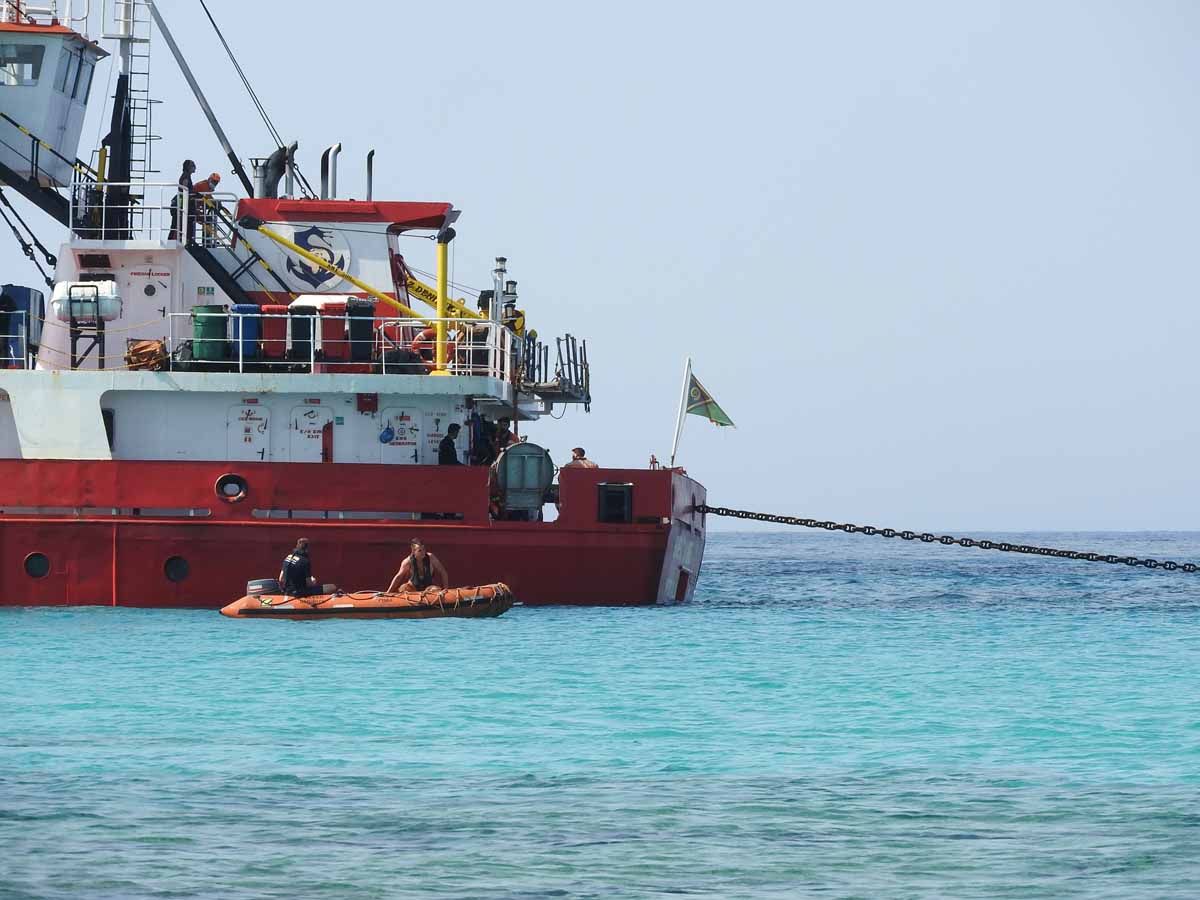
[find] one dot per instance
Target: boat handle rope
(948, 540)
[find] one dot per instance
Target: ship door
(399, 436)
(311, 431)
(248, 433)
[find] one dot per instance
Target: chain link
(947, 540)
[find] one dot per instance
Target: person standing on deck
(447, 451)
(419, 571)
(201, 197)
(182, 202)
(504, 436)
(579, 460)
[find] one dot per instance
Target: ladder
(131, 24)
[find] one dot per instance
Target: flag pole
(687, 377)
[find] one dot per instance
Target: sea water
(834, 715)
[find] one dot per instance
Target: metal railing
(131, 211)
(266, 342)
(21, 12)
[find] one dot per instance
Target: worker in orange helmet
(202, 200)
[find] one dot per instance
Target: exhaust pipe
(329, 172)
(370, 173)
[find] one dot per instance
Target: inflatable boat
(264, 600)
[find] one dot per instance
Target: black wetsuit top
(296, 572)
(418, 579)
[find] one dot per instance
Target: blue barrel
(247, 329)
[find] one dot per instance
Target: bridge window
(20, 64)
(68, 67)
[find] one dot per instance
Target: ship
(212, 372)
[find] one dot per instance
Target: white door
(248, 432)
(307, 427)
(436, 423)
(399, 435)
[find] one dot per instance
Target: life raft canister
(426, 342)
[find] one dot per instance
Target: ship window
(83, 84)
(37, 565)
(110, 427)
(616, 503)
(20, 64)
(176, 568)
(65, 74)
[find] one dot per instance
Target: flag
(701, 403)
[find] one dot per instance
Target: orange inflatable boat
(465, 602)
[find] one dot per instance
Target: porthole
(231, 488)
(149, 290)
(176, 568)
(37, 565)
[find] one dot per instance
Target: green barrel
(210, 333)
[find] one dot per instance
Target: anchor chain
(948, 540)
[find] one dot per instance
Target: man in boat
(419, 571)
(296, 576)
(447, 451)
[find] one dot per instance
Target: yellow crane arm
(425, 293)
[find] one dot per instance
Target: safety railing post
(312, 343)
(241, 339)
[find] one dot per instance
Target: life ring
(426, 342)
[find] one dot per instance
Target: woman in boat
(420, 570)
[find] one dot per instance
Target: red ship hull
(159, 534)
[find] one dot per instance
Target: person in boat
(296, 576)
(419, 571)
(579, 460)
(447, 451)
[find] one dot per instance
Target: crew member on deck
(579, 460)
(447, 451)
(296, 576)
(202, 196)
(181, 202)
(504, 435)
(419, 571)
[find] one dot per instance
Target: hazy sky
(937, 260)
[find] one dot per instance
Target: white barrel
(86, 301)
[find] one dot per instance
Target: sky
(936, 260)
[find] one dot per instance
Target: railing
(14, 340)
(24, 13)
(131, 211)
(57, 171)
(266, 342)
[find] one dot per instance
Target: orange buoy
(464, 602)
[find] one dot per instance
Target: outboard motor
(524, 473)
(260, 586)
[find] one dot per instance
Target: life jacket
(418, 579)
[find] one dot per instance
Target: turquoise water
(834, 714)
